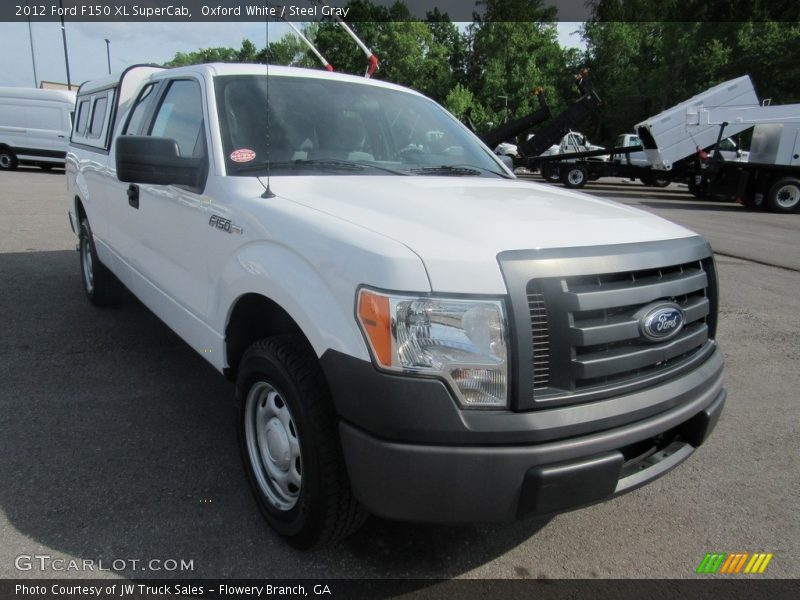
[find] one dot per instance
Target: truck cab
(411, 331)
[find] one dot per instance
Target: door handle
(133, 196)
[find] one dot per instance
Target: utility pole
(108, 55)
(64, 38)
(33, 57)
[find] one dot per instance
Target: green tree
(641, 68)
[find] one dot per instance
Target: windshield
(319, 126)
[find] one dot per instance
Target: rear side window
(83, 117)
(93, 120)
(98, 116)
(180, 117)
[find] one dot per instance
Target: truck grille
(583, 319)
(603, 339)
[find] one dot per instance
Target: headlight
(462, 341)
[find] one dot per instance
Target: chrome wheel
(86, 263)
(273, 446)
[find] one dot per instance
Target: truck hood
(458, 225)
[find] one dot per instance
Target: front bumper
(460, 482)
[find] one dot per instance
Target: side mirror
(157, 160)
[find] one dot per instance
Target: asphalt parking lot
(118, 442)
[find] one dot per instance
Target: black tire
(551, 172)
(697, 186)
(101, 285)
(575, 176)
(285, 408)
(784, 196)
(653, 180)
(8, 160)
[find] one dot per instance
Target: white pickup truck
(411, 331)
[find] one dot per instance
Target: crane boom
(372, 61)
(316, 52)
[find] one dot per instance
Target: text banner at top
(390, 10)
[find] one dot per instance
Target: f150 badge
(224, 224)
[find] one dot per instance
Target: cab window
(140, 110)
(180, 117)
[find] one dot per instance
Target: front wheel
(551, 172)
(8, 160)
(290, 444)
(697, 186)
(575, 177)
(784, 196)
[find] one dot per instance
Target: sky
(131, 43)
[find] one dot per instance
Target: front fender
(284, 277)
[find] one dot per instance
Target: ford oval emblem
(661, 322)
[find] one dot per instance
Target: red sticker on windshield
(242, 155)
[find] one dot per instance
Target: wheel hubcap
(5, 161)
(86, 261)
(273, 446)
(788, 196)
(575, 176)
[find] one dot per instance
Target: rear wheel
(8, 160)
(784, 196)
(290, 444)
(575, 177)
(101, 286)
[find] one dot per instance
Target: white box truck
(34, 126)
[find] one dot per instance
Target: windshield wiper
(299, 164)
(445, 170)
(457, 170)
(324, 163)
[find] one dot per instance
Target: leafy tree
(641, 68)
(510, 59)
(461, 102)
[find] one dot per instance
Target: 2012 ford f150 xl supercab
(412, 332)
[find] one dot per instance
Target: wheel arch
(252, 317)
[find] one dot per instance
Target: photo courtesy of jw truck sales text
(449, 353)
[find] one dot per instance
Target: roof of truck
(214, 69)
